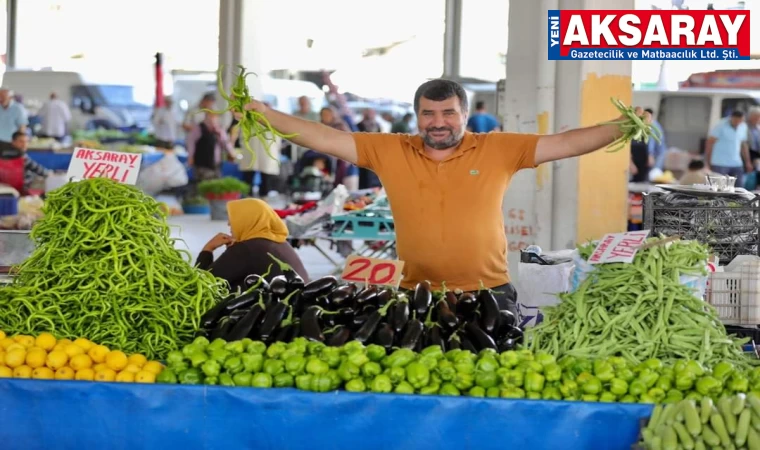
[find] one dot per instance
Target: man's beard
(451, 141)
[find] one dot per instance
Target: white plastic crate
(735, 293)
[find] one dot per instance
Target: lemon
(145, 377)
(25, 340)
(45, 341)
(131, 368)
(15, 346)
(22, 372)
(153, 367)
(64, 341)
(98, 353)
(125, 377)
(73, 350)
(64, 373)
(79, 362)
(105, 375)
(6, 372)
(84, 344)
(6, 341)
(117, 360)
(2, 335)
(15, 357)
(43, 373)
(137, 360)
(100, 366)
(85, 375)
(36, 358)
(57, 359)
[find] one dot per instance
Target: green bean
(105, 267)
(632, 127)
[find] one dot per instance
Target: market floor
(196, 230)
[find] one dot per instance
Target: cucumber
(683, 436)
(706, 409)
(737, 404)
(753, 440)
(711, 437)
(654, 420)
(691, 417)
(755, 421)
(724, 407)
(699, 444)
(669, 439)
(716, 420)
(742, 429)
(754, 402)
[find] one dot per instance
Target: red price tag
(361, 269)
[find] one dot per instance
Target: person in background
(657, 149)
(255, 232)
(206, 144)
(268, 167)
(388, 117)
(55, 117)
(367, 178)
(305, 110)
(695, 174)
(642, 160)
(403, 126)
(329, 117)
(369, 122)
(196, 116)
(32, 169)
(481, 121)
(13, 116)
(726, 151)
(753, 136)
(165, 125)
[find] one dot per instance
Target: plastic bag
(538, 286)
(166, 173)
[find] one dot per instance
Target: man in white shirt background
(165, 125)
(55, 117)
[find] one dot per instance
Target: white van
(688, 114)
(89, 99)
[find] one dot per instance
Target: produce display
(639, 311)
(632, 126)
(326, 311)
(731, 422)
(46, 358)
(222, 186)
(106, 267)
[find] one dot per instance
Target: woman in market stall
(255, 232)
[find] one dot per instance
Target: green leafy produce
(226, 185)
(632, 126)
(639, 311)
(106, 267)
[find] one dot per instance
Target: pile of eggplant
(328, 311)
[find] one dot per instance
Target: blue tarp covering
(78, 415)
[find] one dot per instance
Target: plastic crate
(367, 224)
(735, 294)
(15, 247)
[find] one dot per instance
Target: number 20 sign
(362, 269)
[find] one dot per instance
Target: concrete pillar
(588, 195)
(452, 39)
(10, 49)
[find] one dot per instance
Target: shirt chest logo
(474, 172)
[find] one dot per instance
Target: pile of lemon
(46, 358)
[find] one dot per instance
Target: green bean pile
(639, 311)
(632, 126)
(105, 268)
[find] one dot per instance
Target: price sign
(618, 247)
(361, 269)
(118, 166)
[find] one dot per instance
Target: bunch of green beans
(632, 126)
(105, 268)
(639, 311)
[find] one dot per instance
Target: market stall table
(89, 415)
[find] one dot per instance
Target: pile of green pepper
(354, 367)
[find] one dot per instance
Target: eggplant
(297, 302)
(400, 315)
(467, 345)
(256, 279)
(367, 296)
(244, 301)
(445, 317)
(451, 299)
(296, 283)
(383, 297)
(368, 309)
(319, 287)
(368, 327)
(412, 334)
(344, 316)
(238, 314)
(278, 285)
(489, 310)
(420, 344)
(310, 327)
(453, 342)
(212, 316)
(479, 337)
(384, 335)
(289, 274)
(340, 336)
(246, 323)
(341, 296)
(434, 336)
(506, 344)
(222, 328)
(506, 321)
(274, 315)
(466, 304)
(422, 298)
(329, 320)
(359, 320)
(514, 333)
(286, 333)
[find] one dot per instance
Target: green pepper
(569, 388)
(685, 380)
(604, 370)
(607, 397)
(657, 394)
(592, 387)
(284, 356)
(215, 344)
(435, 378)
(463, 381)
(722, 370)
(242, 379)
(583, 365)
(335, 380)
(303, 382)
(356, 385)
(418, 375)
(431, 389)
(357, 358)
(220, 354)
(487, 364)
(693, 395)
(452, 354)
(625, 374)
(486, 379)
(646, 398)
(332, 356)
(653, 364)
(348, 371)
(178, 367)
(680, 365)
(225, 379)
(738, 383)
(754, 375)
(553, 372)
(353, 346)
(493, 392)
(709, 386)
(295, 365)
(167, 376)
(534, 382)
(432, 350)
(262, 380)
(446, 370)
(404, 388)
(283, 380)
(235, 347)
(201, 341)
(321, 383)
(674, 396)
(211, 381)
(314, 348)
(197, 359)
(246, 342)
(376, 352)
(428, 361)
(664, 382)
(530, 366)
(191, 349)
(252, 362)
(174, 357)
(234, 365)
(583, 378)
(618, 362)
(590, 398)
(526, 355)
(449, 389)
(566, 362)
(544, 358)
(274, 366)
(514, 378)
(509, 359)
(512, 392)
(211, 368)
(256, 348)
(533, 396)
(371, 369)
(399, 358)
(397, 374)
(628, 399)
(618, 386)
(381, 384)
(476, 391)
(316, 366)
(648, 377)
(637, 387)
(464, 367)
(551, 393)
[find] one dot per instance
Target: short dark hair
(209, 97)
(408, 116)
(439, 90)
(737, 113)
(17, 135)
(697, 164)
(480, 104)
(650, 111)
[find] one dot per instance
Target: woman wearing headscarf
(255, 232)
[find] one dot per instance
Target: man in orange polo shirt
(446, 185)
